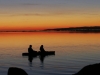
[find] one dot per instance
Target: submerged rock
(16, 71)
(90, 70)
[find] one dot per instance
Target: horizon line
(48, 29)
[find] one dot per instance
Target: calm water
(73, 52)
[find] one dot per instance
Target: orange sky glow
(34, 15)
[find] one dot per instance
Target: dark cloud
(54, 13)
(29, 4)
(51, 14)
(91, 14)
(35, 14)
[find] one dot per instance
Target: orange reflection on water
(47, 37)
(50, 40)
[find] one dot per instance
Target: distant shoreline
(94, 29)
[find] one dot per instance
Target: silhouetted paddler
(31, 51)
(42, 48)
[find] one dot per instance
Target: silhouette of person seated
(42, 48)
(30, 50)
(32, 53)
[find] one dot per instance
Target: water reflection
(41, 57)
(30, 59)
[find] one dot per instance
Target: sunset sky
(43, 14)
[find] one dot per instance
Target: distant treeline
(77, 29)
(21, 31)
(94, 29)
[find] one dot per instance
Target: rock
(90, 70)
(16, 71)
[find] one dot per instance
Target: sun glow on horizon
(37, 15)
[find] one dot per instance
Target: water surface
(73, 52)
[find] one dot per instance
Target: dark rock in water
(16, 71)
(90, 70)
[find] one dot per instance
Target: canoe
(40, 53)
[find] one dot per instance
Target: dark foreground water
(73, 52)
